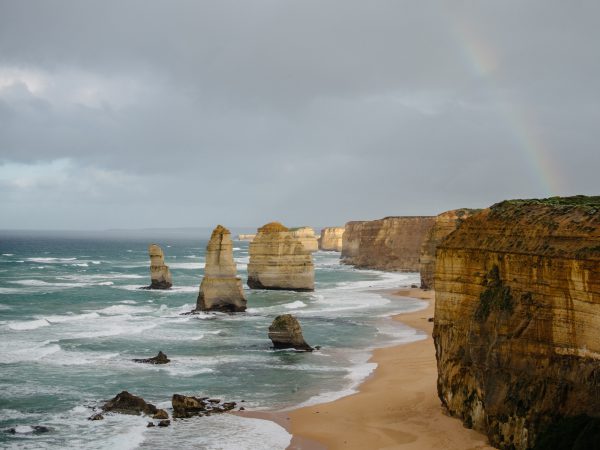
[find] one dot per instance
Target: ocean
(72, 318)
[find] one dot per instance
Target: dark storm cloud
(308, 112)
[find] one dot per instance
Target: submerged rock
(279, 260)
(221, 289)
(161, 358)
(159, 272)
(26, 429)
(97, 416)
(164, 423)
(187, 406)
(285, 332)
(126, 403)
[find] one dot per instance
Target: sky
(137, 114)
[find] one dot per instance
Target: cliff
(445, 224)
(306, 235)
(392, 243)
(221, 289)
(279, 260)
(331, 239)
(517, 319)
(246, 237)
(160, 275)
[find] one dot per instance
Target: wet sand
(396, 407)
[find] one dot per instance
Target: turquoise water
(72, 317)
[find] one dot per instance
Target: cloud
(310, 112)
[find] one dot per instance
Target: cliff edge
(517, 318)
(392, 243)
(445, 223)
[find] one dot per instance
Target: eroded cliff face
(392, 243)
(221, 289)
(331, 239)
(517, 318)
(279, 260)
(306, 235)
(445, 224)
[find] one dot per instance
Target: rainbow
(522, 123)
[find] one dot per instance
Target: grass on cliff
(574, 201)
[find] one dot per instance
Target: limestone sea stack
(279, 260)
(331, 239)
(517, 315)
(246, 237)
(445, 224)
(392, 243)
(221, 289)
(306, 235)
(159, 272)
(285, 332)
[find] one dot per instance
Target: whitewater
(72, 318)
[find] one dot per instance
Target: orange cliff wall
(445, 224)
(392, 243)
(517, 319)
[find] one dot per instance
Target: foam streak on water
(72, 326)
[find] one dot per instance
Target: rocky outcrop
(221, 289)
(285, 332)
(279, 260)
(517, 318)
(246, 237)
(306, 235)
(331, 239)
(126, 403)
(445, 224)
(161, 414)
(187, 406)
(392, 243)
(159, 273)
(161, 358)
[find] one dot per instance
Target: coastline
(395, 407)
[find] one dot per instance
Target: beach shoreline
(395, 407)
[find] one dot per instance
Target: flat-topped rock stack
(392, 243)
(445, 223)
(221, 289)
(160, 275)
(331, 239)
(279, 260)
(246, 237)
(306, 235)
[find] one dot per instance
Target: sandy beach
(396, 407)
